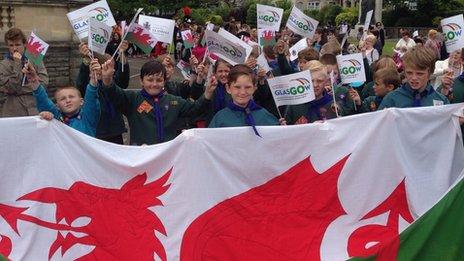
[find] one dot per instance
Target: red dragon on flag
(141, 37)
(35, 49)
(121, 225)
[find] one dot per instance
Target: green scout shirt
(403, 97)
(139, 113)
(369, 104)
(343, 98)
(457, 95)
(229, 118)
(197, 90)
(368, 90)
(298, 114)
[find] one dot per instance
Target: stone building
(49, 21)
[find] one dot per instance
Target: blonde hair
(332, 46)
(371, 38)
(316, 66)
(432, 32)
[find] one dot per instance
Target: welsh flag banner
(141, 37)
(392, 191)
(36, 49)
(187, 37)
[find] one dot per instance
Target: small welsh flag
(266, 37)
(187, 37)
(36, 49)
(141, 37)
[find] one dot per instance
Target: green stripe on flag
(438, 234)
(3, 258)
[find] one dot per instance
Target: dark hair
(418, 40)
(152, 68)
(328, 59)
(219, 61)
(406, 32)
(269, 52)
(15, 34)
(240, 70)
(323, 34)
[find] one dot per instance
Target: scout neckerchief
(251, 106)
(417, 96)
(315, 106)
(219, 97)
(155, 99)
(67, 119)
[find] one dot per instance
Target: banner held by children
(79, 18)
(351, 68)
(229, 50)
(161, 28)
(292, 89)
(99, 35)
(452, 30)
(301, 24)
(141, 37)
(343, 201)
(36, 49)
(269, 17)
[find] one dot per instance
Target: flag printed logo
(100, 13)
(141, 37)
(292, 89)
(107, 215)
(225, 47)
(352, 66)
(301, 24)
(270, 18)
(36, 49)
(304, 25)
(452, 30)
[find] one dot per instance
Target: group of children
(220, 95)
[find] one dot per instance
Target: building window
(313, 5)
(299, 5)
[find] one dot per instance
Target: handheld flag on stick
(126, 30)
(266, 37)
(141, 37)
(187, 37)
(36, 49)
(99, 35)
(333, 82)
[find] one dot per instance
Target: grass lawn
(388, 47)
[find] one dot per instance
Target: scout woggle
(354, 67)
(273, 18)
(455, 31)
(101, 15)
(306, 27)
(228, 49)
(99, 38)
(303, 86)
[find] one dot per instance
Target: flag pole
(332, 82)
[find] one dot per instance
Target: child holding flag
(385, 81)
(19, 100)
(71, 109)
(152, 113)
(111, 124)
(419, 64)
(320, 109)
(242, 110)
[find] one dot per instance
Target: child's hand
(282, 122)
(328, 89)
(124, 46)
(193, 62)
(355, 96)
(210, 87)
(447, 82)
(95, 72)
(31, 75)
(167, 61)
(46, 115)
(17, 56)
(251, 62)
(202, 72)
(107, 72)
(84, 49)
(261, 75)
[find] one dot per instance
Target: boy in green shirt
(242, 110)
(419, 64)
(152, 113)
(385, 81)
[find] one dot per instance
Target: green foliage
(251, 16)
(222, 10)
(284, 4)
(201, 15)
(349, 18)
(331, 13)
(313, 13)
(216, 19)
